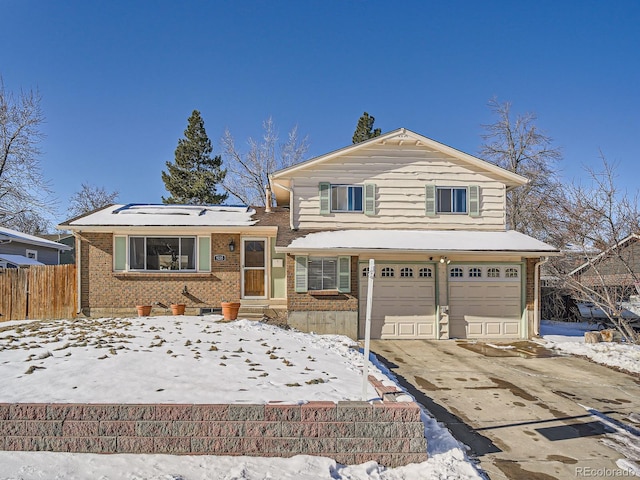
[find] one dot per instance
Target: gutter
(536, 295)
(78, 271)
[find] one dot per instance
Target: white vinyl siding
(403, 177)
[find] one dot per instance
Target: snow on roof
(19, 260)
(421, 240)
(167, 215)
(8, 234)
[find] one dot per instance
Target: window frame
(334, 209)
(452, 200)
(310, 261)
(32, 254)
(180, 238)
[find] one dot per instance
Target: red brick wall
(309, 302)
(391, 434)
(102, 288)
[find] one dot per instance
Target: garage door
(485, 301)
(403, 300)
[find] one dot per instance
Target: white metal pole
(367, 329)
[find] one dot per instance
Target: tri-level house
(430, 216)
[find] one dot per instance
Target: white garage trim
(404, 297)
(487, 300)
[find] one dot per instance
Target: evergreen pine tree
(193, 177)
(364, 129)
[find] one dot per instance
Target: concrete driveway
(520, 413)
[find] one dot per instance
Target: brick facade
(107, 292)
(391, 434)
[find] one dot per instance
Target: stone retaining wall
(349, 432)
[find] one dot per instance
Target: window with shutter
(474, 201)
(301, 274)
(369, 199)
(430, 200)
(324, 192)
(344, 274)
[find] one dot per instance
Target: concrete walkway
(519, 413)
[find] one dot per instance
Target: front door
(254, 267)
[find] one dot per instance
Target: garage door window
(511, 272)
(388, 272)
(475, 272)
(406, 272)
(493, 272)
(456, 272)
(426, 272)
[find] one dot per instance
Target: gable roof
(7, 234)
(510, 179)
(622, 243)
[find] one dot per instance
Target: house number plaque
(219, 258)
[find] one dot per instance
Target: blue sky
(119, 79)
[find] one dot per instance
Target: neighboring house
(19, 249)
(67, 256)
(432, 218)
(618, 266)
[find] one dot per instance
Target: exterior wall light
(232, 245)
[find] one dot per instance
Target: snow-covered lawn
(193, 360)
(568, 337)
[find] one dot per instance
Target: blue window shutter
(474, 201)
(324, 191)
(344, 274)
(369, 199)
(430, 200)
(301, 274)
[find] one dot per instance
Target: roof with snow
(7, 234)
(165, 215)
(19, 260)
(420, 240)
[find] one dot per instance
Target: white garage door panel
(485, 309)
(403, 307)
(415, 326)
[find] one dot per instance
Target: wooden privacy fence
(38, 292)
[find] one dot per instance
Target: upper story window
(346, 198)
(452, 200)
(33, 254)
(162, 253)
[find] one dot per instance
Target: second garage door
(403, 301)
(485, 301)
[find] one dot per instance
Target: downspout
(536, 295)
(290, 190)
(78, 271)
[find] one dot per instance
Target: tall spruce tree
(364, 129)
(193, 177)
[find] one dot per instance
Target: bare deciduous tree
(519, 146)
(599, 219)
(248, 173)
(90, 198)
(25, 196)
